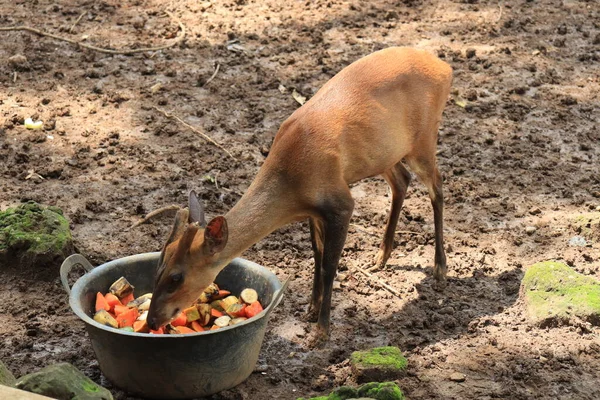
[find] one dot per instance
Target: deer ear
(196, 210)
(215, 235)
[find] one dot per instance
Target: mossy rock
(381, 391)
(372, 390)
(587, 225)
(378, 364)
(6, 377)
(556, 295)
(34, 235)
(63, 382)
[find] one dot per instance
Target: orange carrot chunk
(159, 331)
(112, 301)
(140, 326)
(180, 320)
(120, 309)
(221, 295)
(185, 329)
(197, 327)
(253, 309)
(101, 303)
(216, 313)
(127, 318)
(127, 298)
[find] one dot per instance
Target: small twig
(378, 281)
(154, 213)
(213, 75)
(77, 21)
(205, 136)
(501, 11)
(362, 229)
(99, 49)
(411, 233)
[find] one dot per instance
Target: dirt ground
(518, 147)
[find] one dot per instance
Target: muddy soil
(518, 148)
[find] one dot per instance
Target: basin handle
(67, 265)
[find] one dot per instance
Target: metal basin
(172, 366)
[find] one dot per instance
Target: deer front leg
(336, 219)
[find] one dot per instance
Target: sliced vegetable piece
(217, 305)
(237, 320)
(127, 318)
(228, 301)
(204, 311)
(143, 316)
(236, 310)
(216, 313)
(104, 318)
(192, 314)
(222, 294)
(253, 309)
(120, 309)
(127, 299)
(140, 326)
(127, 329)
(101, 303)
(121, 288)
(214, 328)
(249, 296)
(180, 320)
(145, 305)
(197, 327)
(159, 331)
(112, 301)
(140, 300)
(185, 329)
(209, 293)
(222, 321)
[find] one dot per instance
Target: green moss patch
(6, 377)
(556, 295)
(372, 390)
(385, 357)
(32, 233)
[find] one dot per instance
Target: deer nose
(152, 324)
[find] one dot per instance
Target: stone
(457, 377)
(530, 230)
(19, 62)
(381, 391)
(368, 391)
(32, 234)
(378, 364)
(587, 225)
(63, 382)
(6, 377)
(555, 294)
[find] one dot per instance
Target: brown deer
(375, 114)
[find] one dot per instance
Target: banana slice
(29, 124)
(249, 296)
(223, 321)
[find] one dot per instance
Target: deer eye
(175, 280)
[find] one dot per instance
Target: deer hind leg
(398, 178)
(316, 237)
(428, 173)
